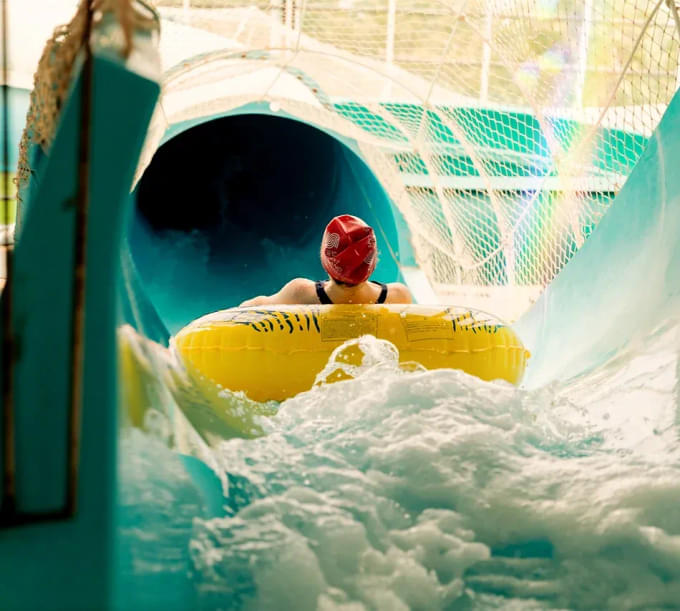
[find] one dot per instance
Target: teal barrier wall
(236, 206)
(68, 562)
(625, 280)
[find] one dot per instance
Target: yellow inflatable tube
(276, 352)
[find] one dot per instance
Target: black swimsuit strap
(326, 300)
(321, 294)
(383, 292)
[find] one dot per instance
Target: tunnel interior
(236, 206)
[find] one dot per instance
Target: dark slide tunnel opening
(236, 207)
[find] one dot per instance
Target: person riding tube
(349, 255)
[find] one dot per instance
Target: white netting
(502, 129)
(53, 74)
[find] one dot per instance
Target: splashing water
(434, 490)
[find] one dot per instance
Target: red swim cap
(348, 250)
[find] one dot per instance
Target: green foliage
(9, 204)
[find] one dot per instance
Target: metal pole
(391, 20)
(583, 43)
(389, 45)
(9, 457)
(486, 53)
(674, 11)
(288, 16)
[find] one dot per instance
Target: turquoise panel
(18, 107)
(494, 131)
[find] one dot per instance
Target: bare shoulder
(298, 290)
(300, 283)
(398, 293)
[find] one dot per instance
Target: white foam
(433, 489)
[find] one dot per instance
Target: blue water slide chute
(234, 206)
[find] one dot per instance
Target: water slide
(342, 480)
(252, 193)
